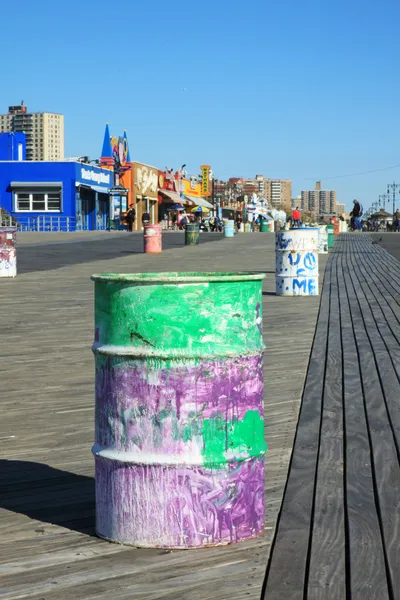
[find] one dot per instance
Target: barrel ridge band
(143, 352)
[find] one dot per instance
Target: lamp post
(393, 187)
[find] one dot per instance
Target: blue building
(12, 146)
(55, 196)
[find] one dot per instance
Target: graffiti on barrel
(179, 442)
(297, 262)
(8, 252)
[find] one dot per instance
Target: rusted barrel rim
(177, 277)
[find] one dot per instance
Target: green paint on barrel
(331, 236)
(192, 234)
(179, 441)
(264, 226)
(234, 438)
(156, 314)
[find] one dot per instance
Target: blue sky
(299, 90)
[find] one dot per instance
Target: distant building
(44, 132)
(318, 200)
(340, 209)
(278, 192)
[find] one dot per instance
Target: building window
(38, 201)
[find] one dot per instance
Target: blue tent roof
(106, 151)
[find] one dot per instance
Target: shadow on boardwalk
(48, 495)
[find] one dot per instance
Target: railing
(40, 223)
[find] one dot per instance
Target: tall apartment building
(318, 200)
(340, 208)
(44, 132)
(278, 192)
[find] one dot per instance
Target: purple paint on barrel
(152, 423)
(179, 507)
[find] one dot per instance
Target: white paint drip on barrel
(297, 262)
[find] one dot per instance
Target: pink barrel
(153, 239)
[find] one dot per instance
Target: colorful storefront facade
(57, 196)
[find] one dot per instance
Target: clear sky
(299, 90)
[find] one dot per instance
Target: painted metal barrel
(322, 240)
(192, 234)
(297, 262)
(336, 226)
(152, 236)
(343, 227)
(331, 237)
(8, 251)
(179, 443)
(264, 227)
(229, 228)
(271, 226)
(247, 227)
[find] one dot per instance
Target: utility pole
(393, 186)
(384, 198)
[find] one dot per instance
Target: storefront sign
(146, 181)
(205, 180)
(98, 176)
(191, 188)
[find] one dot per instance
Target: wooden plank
(365, 550)
(383, 447)
(286, 571)
(327, 568)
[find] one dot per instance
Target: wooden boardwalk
(338, 533)
(48, 549)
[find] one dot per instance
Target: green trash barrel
(191, 234)
(179, 437)
(264, 226)
(331, 237)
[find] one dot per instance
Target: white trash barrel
(271, 226)
(343, 226)
(297, 262)
(8, 251)
(323, 240)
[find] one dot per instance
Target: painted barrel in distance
(229, 228)
(336, 226)
(8, 251)
(297, 262)
(271, 226)
(179, 443)
(247, 227)
(264, 226)
(322, 240)
(191, 234)
(152, 237)
(331, 236)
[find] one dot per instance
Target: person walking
(355, 216)
(396, 221)
(296, 217)
(131, 216)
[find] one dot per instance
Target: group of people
(131, 217)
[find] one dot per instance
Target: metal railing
(40, 223)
